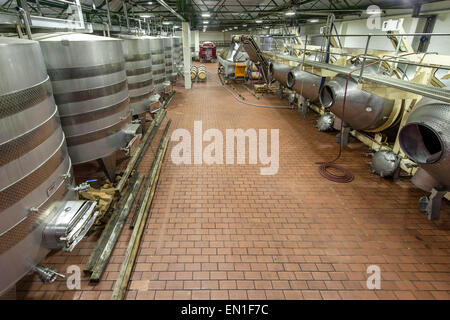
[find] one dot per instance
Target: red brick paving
(227, 232)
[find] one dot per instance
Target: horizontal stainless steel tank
(138, 66)
(35, 167)
(158, 62)
(425, 139)
(304, 83)
(279, 72)
(91, 91)
(168, 45)
(363, 110)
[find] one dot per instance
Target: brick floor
(227, 232)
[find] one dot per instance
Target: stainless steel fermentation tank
(37, 208)
(177, 53)
(158, 63)
(425, 139)
(138, 66)
(168, 46)
(90, 88)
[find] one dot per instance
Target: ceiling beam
(165, 5)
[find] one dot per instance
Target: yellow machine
(239, 70)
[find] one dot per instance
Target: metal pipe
(46, 274)
(108, 13)
(165, 5)
(385, 35)
(23, 14)
(38, 5)
(364, 59)
(126, 15)
(437, 66)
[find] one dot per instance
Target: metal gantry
(223, 14)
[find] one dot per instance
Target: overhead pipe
(24, 16)
(165, 5)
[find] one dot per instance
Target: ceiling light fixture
(313, 20)
(206, 15)
(290, 13)
(167, 22)
(205, 22)
(149, 2)
(258, 21)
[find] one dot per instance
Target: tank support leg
(302, 105)
(431, 205)
(280, 91)
(345, 136)
(109, 166)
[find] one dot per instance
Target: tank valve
(126, 150)
(138, 120)
(66, 176)
(46, 274)
(83, 186)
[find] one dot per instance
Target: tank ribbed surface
(138, 65)
(34, 162)
(158, 62)
(91, 91)
(168, 45)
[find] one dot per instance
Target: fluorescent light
(313, 20)
(145, 16)
(149, 2)
(176, 27)
(235, 27)
(244, 25)
(290, 13)
(258, 21)
(267, 27)
(206, 15)
(167, 22)
(205, 22)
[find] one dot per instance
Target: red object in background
(207, 51)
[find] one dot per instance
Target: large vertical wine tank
(158, 63)
(90, 88)
(168, 44)
(38, 211)
(178, 54)
(138, 66)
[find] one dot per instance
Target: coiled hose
(347, 176)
